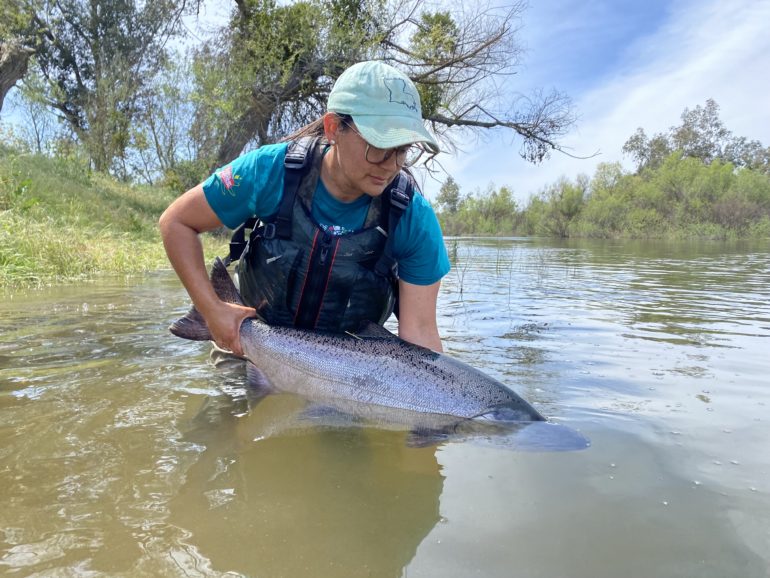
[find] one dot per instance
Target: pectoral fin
(423, 438)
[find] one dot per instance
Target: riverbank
(60, 222)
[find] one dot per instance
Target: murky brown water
(122, 453)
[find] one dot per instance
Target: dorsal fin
(223, 284)
(372, 330)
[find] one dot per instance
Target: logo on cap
(399, 94)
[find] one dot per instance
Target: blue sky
(627, 64)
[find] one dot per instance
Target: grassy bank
(59, 222)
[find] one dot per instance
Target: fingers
(225, 325)
(235, 345)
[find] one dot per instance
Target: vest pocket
(371, 300)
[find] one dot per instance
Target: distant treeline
(697, 180)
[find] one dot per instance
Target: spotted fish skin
(372, 367)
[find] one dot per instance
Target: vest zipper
(316, 282)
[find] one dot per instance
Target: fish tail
(193, 325)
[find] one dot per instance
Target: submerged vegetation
(59, 222)
(697, 181)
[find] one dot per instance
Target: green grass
(60, 223)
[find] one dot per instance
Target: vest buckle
(269, 231)
(398, 195)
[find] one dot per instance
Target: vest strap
(297, 162)
(399, 195)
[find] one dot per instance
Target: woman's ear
(332, 126)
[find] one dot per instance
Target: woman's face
(349, 174)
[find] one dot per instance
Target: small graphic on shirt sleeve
(228, 180)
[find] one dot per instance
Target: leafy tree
(38, 127)
(98, 58)
(647, 152)
(434, 41)
(269, 73)
(18, 38)
(502, 209)
(748, 154)
(161, 147)
(745, 202)
(703, 136)
(563, 203)
(695, 190)
(492, 212)
(448, 197)
(275, 64)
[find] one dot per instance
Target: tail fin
(193, 326)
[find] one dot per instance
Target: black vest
(294, 273)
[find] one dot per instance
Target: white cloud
(702, 50)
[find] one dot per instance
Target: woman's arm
(417, 314)
(180, 225)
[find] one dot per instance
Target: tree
(647, 153)
(38, 125)
(748, 154)
(17, 43)
(448, 197)
(160, 145)
(702, 136)
(271, 71)
(98, 58)
(276, 64)
(559, 205)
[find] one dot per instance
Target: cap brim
(387, 132)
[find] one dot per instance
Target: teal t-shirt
(252, 185)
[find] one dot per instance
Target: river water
(123, 453)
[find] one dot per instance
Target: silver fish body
(376, 367)
(357, 374)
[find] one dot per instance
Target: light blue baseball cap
(384, 104)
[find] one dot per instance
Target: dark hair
(316, 128)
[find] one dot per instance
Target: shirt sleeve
(250, 185)
(418, 244)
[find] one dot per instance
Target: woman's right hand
(224, 323)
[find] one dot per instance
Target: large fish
(374, 376)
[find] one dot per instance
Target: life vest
(295, 273)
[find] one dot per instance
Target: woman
(325, 258)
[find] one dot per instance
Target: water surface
(123, 453)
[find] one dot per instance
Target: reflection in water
(122, 453)
(352, 502)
